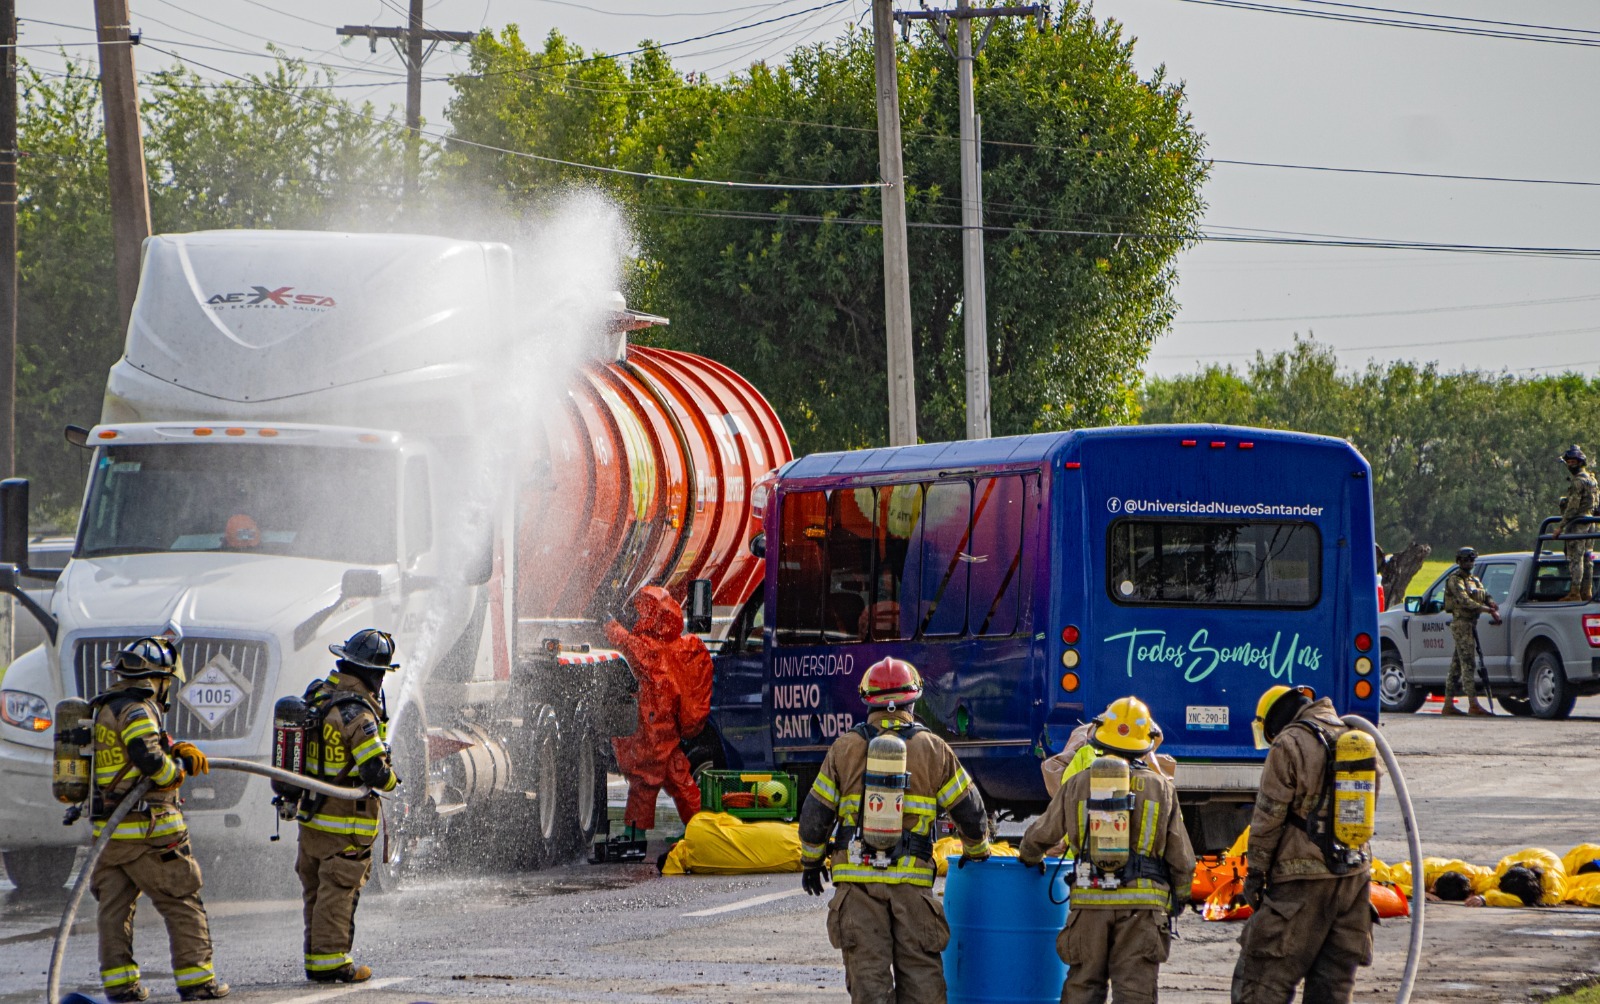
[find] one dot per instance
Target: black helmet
(1466, 554)
(1574, 452)
(368, 648)
(149, 657)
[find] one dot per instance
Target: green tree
(786, 285)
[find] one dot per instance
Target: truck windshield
(302, 501)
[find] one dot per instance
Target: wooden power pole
(8, 239)
(974, 299)
(896, 257)
(407, 42)
(130, 193)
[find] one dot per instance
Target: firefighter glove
(811, 878)
(977, 853)
(194, 761)
(1255, 889)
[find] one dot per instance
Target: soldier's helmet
(1466, 554)
(1575, 452)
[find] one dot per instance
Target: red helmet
(891, 682)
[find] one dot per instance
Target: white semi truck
(311, 433)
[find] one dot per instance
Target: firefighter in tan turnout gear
(880, 788)
(1309, 861)
(346, 747)
(149, 853)
(1120, 822)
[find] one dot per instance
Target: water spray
(1419, 896)
(52, 987)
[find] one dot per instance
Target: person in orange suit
(674, 672)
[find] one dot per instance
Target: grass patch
(1583, 995)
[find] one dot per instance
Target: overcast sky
(1262, 86)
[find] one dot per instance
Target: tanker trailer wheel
(39, 871)
(406, 812)
(548, 784)
(583, 771)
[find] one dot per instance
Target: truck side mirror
(1413, 604)
(77, 435)
(698, 617)
(14, 522)
(361, 583)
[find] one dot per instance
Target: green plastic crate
(717, 785)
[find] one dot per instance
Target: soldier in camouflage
(1465, 599)
(1582, 494)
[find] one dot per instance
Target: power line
(1400, 313)
(633, 14)
(1397, 23)
(1450, 17)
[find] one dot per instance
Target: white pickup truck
(1540, 658)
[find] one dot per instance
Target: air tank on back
(647, 480)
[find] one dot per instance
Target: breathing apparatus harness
(879, 838)
(297, 723)
(73, 778)
(1108, 861)
(1341, 821)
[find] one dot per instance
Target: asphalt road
(621, 933)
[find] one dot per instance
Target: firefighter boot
(208, 991)
(129, 995)
(347, 973)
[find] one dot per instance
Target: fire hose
(1419, 896)
(52, 991)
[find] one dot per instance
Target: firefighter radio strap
(883, 837)
(1343, 814)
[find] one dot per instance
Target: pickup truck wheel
(1548, 691)
(1395, 692)
(39, 871)
(1518, 706)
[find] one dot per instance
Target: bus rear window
(1213, 563)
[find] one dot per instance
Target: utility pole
(407, 42)
(974, 299)
(896, 258)
(130, 193)
(8, 239)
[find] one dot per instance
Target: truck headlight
(24, 710)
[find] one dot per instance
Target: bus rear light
(1217, 444)
(1591, 628)
(1363, 689)
(1072, 465)
(1363, 642)
(1247, 446)
(1363, 666)
(1069, 682)
(1069, 635)
(1187, 442)
(1070, 658)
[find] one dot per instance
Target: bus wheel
(1548, 690)
(1396, 693)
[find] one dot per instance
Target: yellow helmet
(1264, 706)
(1125, 727)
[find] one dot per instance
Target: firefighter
(674, 672)
(1312, 917)
(149, 853)
(1120, 821)
(880, 788)
(345, 747)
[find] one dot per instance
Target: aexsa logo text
(261, 296)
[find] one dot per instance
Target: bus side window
(850, 524)
(944, 559)
(802, 524)
(993, 600)
(892, 613)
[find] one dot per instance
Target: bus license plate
(1201, 716)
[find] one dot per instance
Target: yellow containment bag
(715, 843)
(946, 848)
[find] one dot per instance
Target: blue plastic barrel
(1004, 919)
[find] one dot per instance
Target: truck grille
(247, 661)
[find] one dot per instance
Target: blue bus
(1034, 579)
